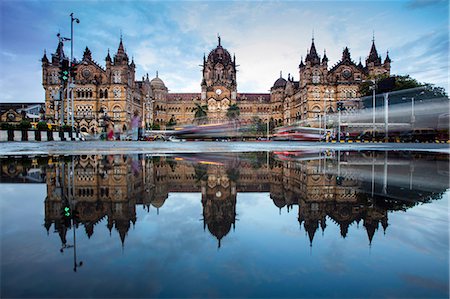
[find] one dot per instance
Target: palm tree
(200, 113)
(233, 112)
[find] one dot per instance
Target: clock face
(86, 73)
(346, 74)
(11, 116)
(218, 91)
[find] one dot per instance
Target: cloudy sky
(267, 37)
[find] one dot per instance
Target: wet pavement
(155, 147)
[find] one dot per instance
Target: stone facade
(113, 93)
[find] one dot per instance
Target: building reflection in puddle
(343, 187)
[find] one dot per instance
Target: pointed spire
(346, 55)
(325, 58)
(301, 63)
(87, 55)
(218, 38)
(156, 74)
(373, 55)
(281, 74)
(121, 49)
(59, 53)
(387, 60)
(132, 62)
(360, 64)
(108, 57)
(146, 78)
(121, 55)
(312, 54)
(44, 58)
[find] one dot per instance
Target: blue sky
(266, 37)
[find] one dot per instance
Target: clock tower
(219, 82)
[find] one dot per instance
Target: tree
(172, 122)
(233, 112)
(200, 113)
(385, 83)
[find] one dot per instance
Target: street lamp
(327, 92)
(373, 107)
(71, 85)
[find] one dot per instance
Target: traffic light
(73, 70)
(64, 73)
(66, 215)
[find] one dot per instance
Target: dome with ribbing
(157, 83)
(281, 82)
(219, 54)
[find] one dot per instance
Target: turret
(108, 59)
(325, 59)
(373, 59)
(44, 59)
(312, 58)
(120, 57)
(387, 62)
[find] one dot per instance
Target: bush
(6, 126)
(66, 128)
(42, 126)
(25, 124)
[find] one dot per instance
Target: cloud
(265, 36)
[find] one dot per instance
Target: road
(157, 147)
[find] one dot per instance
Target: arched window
(106, 94)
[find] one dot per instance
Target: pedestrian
(135, 121)
(110, 131)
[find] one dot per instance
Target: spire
(156, 74)
(373, 55)
(44, 58)
(281, 74)
(121, 55)
(301, 63)
(218, 38)
(325, 58)
(59, 53)
(346, 55)
(121, 49)
(132, 62)
(312, 55)
(360, 64)
(87, 55)
(108, 57)
(387, 60)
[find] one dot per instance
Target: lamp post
(373, 87)
(71, 85)
(327, 92)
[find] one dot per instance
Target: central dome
(219, 54)
(157, 83)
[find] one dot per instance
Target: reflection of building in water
(219, 201)
(346, 188)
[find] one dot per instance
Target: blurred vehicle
(419, 135)
(294, 133)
